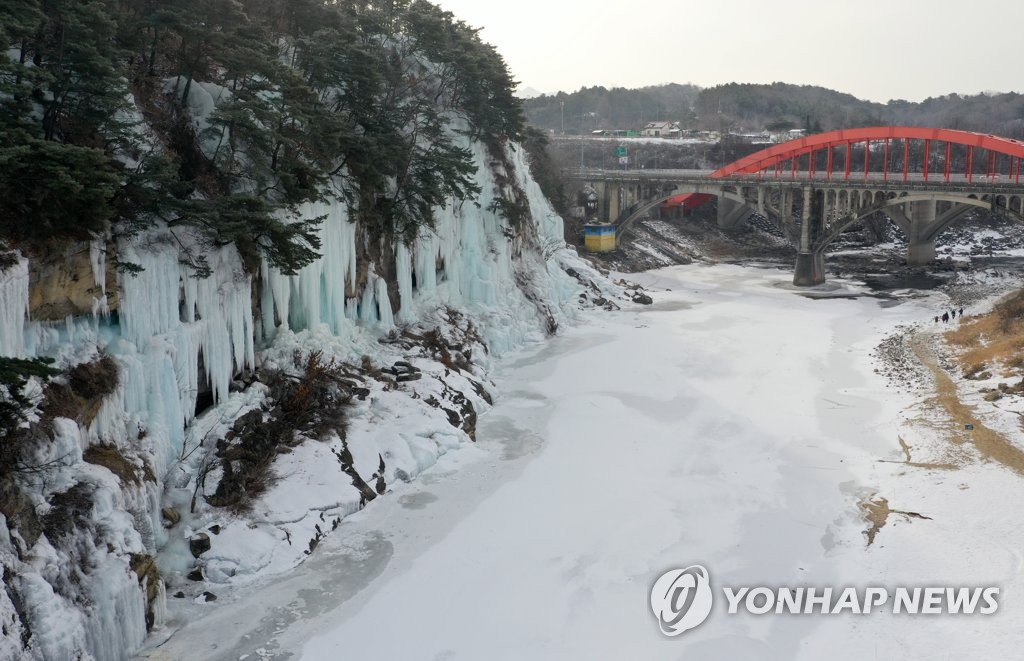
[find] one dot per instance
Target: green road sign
(620, 151)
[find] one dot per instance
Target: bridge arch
(933, 231)
(772, 158)
(775, 155)
(640, 209)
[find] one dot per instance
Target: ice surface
(665, 439)
(633, 443)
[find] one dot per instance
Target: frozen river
(736, 424)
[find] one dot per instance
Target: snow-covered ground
(736, 424)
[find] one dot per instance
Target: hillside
(593, 108)
(747, 108)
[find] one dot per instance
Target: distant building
(619, 133)
(785, 136)
(662, 130)
(761, 138)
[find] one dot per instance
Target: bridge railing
(998, 184)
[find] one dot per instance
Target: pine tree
(348, 98)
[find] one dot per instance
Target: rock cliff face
(132, 483)
(64, 281)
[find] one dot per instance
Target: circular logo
(681, 599)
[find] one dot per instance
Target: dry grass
(877, 512)
(994, 340)
(990, 443)
(111, 458)
(88, 384)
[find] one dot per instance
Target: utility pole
(562, 103)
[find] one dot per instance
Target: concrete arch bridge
(816, 187)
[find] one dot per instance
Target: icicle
(223, 305)
(69, 325)
(425, 266)
(98, 258)
(386, 316)
(276, 295)
(403, 270)
(100, 307)
(149, 299)
(117, 620)
(352, 309)
(13, 308)
(316, 295)
(368, 302)
(159, 604)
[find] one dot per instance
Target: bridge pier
(610, 202)
(810, 269)
(921, 250)
(731, 213)
(810, 263)
(920, 254)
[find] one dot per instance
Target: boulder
(171, 516)
(199, 544)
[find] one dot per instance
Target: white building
(662, 130)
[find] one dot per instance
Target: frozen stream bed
(735, 424)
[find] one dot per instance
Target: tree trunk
(188, 88)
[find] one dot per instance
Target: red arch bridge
(817, 186)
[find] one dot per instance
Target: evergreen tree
(14, 402)
(348, 98)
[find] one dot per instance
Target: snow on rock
(202, 101)
(73, 582)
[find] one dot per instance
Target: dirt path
(990, 443)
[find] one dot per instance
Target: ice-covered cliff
(111, 513)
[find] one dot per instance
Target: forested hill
(102, 128)
(594, 108)
(744, 107)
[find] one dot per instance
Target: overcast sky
(874, 49)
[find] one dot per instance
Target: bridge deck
(978, 184)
